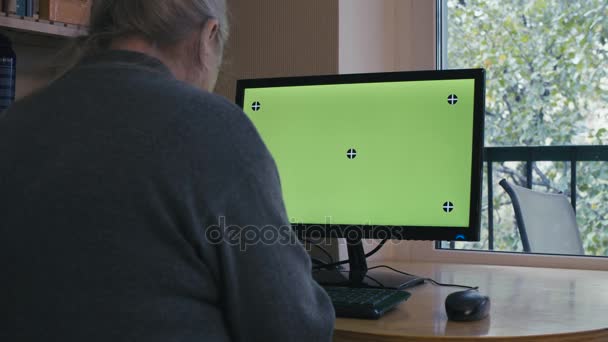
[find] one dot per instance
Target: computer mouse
(464, 306)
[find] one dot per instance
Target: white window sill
(425, 251)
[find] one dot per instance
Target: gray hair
(162, 22)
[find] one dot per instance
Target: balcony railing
(531, 155)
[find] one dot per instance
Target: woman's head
(188, 35)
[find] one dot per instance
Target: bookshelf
(36, 26)
(40, 46)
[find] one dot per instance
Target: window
(547, 94)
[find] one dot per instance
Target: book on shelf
(66, 11)
(29, 8)
(21, 7)
(9, 6)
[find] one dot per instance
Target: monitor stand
(359, 276)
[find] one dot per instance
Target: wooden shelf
(40, 26)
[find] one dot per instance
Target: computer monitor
(385, 155)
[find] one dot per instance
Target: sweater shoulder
(217, 121)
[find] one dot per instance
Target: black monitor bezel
(430, 233)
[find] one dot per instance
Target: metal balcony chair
(546, 222)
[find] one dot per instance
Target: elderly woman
(126, 190)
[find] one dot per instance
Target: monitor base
(374, 279)
(358, 274)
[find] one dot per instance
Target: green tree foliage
(547, 84)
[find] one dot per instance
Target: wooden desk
(528, 304)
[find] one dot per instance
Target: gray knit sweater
(134, 207)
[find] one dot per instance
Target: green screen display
(389, 154)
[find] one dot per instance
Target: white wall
(366, 36)
(386, 35)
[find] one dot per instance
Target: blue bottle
(8, 70)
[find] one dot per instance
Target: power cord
(344, 262)
(432, 281)
(316, 261)
(323, 250)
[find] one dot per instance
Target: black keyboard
(367, 303)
